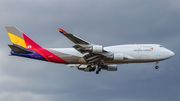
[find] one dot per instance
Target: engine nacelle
(117, 56)
(96, 49)
(110, 67)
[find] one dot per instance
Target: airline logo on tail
(16, 38)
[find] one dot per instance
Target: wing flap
(80, 49)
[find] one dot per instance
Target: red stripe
(43, 52)
(51, 57)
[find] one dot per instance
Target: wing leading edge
(73, 38)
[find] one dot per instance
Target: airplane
(85, 55)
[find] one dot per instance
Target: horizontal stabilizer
(17, 49)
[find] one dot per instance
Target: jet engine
(110, 67)
(95, 49)
(117, 56)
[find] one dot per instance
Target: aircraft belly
(130, 61)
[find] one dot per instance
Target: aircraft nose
(170, 53)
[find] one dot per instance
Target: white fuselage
(137, 53)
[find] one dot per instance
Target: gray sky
(109, 22)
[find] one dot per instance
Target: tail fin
(19, 39)
(26, 47)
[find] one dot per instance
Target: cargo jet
(85, 55)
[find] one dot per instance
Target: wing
(93, 52)
(81, 45)
(74, 38)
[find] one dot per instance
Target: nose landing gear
(156, 67)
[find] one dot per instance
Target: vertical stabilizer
(18, 38)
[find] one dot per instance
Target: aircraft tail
(26, 47)
(20, 40)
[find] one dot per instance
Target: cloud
(100, 22)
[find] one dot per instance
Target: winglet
(61, 31)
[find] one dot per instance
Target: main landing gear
(156, 67)
(99, 68)
(92, 69)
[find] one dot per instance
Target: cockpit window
(160, 46)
